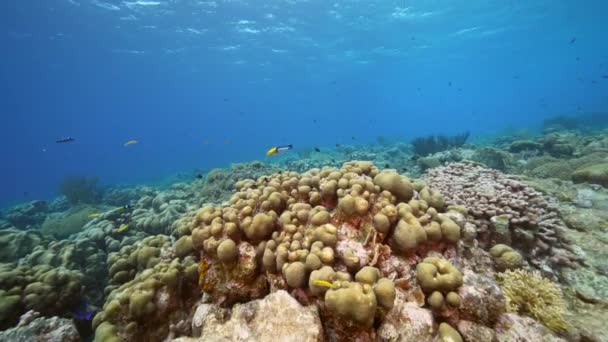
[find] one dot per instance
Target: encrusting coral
(530, 294)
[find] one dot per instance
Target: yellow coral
(532, 295)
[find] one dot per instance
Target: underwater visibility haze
(377, 170)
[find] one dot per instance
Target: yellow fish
(94, 215)
(206, 142)
(123, 227)
(324, 283)
(131, 142)
(278, 149)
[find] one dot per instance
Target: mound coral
(42, 288)
(505, 257)
(322, 234)
(440, 279)
(132, 259)
(155, 215)
(15, 243)
(80, 256)
(532, 295)
(145, 307)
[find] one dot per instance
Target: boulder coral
(440, 279)
(125, 264)
(48, 290)
(324, 234)
(145, 307)
(155, 215)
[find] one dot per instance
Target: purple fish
(83, 312)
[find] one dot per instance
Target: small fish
(353, 138)
(199, 176)
(387, 166)
(94, 215)
(227, 142)
(278, 149)
(415, 157)
(25, 193)
(324, 283)
(131, 142)
(450, 83)
(83, 311)
(317, 149)
(65, 140)
(604, 76)
(226, 99)
(122, 228)
(206, 142)
(266, 179)
(572, 40)
(338, 145)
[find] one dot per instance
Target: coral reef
(342, 252)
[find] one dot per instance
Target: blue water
(247, 75)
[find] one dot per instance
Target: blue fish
(83, 312)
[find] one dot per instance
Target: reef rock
(48, 329)
(277, 317)
(512, 327)
(406, 322)
(481, 298)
